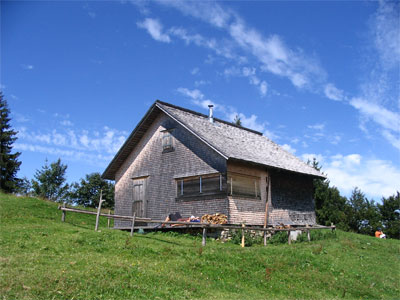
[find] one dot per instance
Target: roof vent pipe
(210, 113)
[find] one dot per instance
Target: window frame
(257, 186)
(168, 146)
(180, 187)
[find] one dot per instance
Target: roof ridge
(205, 116)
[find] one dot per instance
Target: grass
(43, 258)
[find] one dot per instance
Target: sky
(320, 78)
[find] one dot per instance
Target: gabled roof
(230, 141)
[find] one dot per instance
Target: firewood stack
(214, 219)
(283, 226)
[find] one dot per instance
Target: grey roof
(239, 143)
(231, 141)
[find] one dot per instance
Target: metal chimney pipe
(210, 113)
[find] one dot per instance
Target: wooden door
(138, 201)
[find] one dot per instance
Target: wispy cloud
(271, 52)
(379, 90)
(380, 115)
(79, 144)
(319, 126)
(289, 148)
(27, 67)
(333, 93)
(155, 29)
(229, 112)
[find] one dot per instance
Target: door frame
(142, 180)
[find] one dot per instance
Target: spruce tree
(9, 164)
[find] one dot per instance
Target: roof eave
(108, 173)
(275, 168)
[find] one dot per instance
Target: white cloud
(21, 118)
(333, 92)
(271, 52)
(375, 177)
(263, 88)
(289, 148)
(27, 67)
(392, 139)
(198, 98)
(319, 126)
(198, 83)
(271, 135)
(108, 141)
(154, 28)
(91, 158)
(66, 123)
(195, 71)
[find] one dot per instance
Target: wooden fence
(204, 226)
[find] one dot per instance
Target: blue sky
(320, 78)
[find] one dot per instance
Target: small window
(167, 141)
(244, 186)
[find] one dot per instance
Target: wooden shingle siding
(190, 156)
(248, 210)
(292, 199)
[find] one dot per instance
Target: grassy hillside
(42, 258)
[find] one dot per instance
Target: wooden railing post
(243, 236)
(289, 237)
(99, 210)
(108, 219)
(133, 223)
(308, 234)
(203, 240)
(63, 213)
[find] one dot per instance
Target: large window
(199, 185)
(244, 186)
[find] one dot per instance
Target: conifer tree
(9, 164)
(50, 183)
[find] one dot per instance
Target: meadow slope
(43, 258)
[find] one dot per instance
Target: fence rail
(204, 226)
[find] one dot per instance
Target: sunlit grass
(43, 258)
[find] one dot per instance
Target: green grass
(43, 258)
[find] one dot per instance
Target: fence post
(133, 223)
(63, 213)
(265, 238)
(243, 236)
(203, 241)
(98, 211)
(308, 234)
(289, 237)
(109, 219)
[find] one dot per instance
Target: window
(167, 141)
(244, 186)
(199, 185)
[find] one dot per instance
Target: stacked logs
(214, 219)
